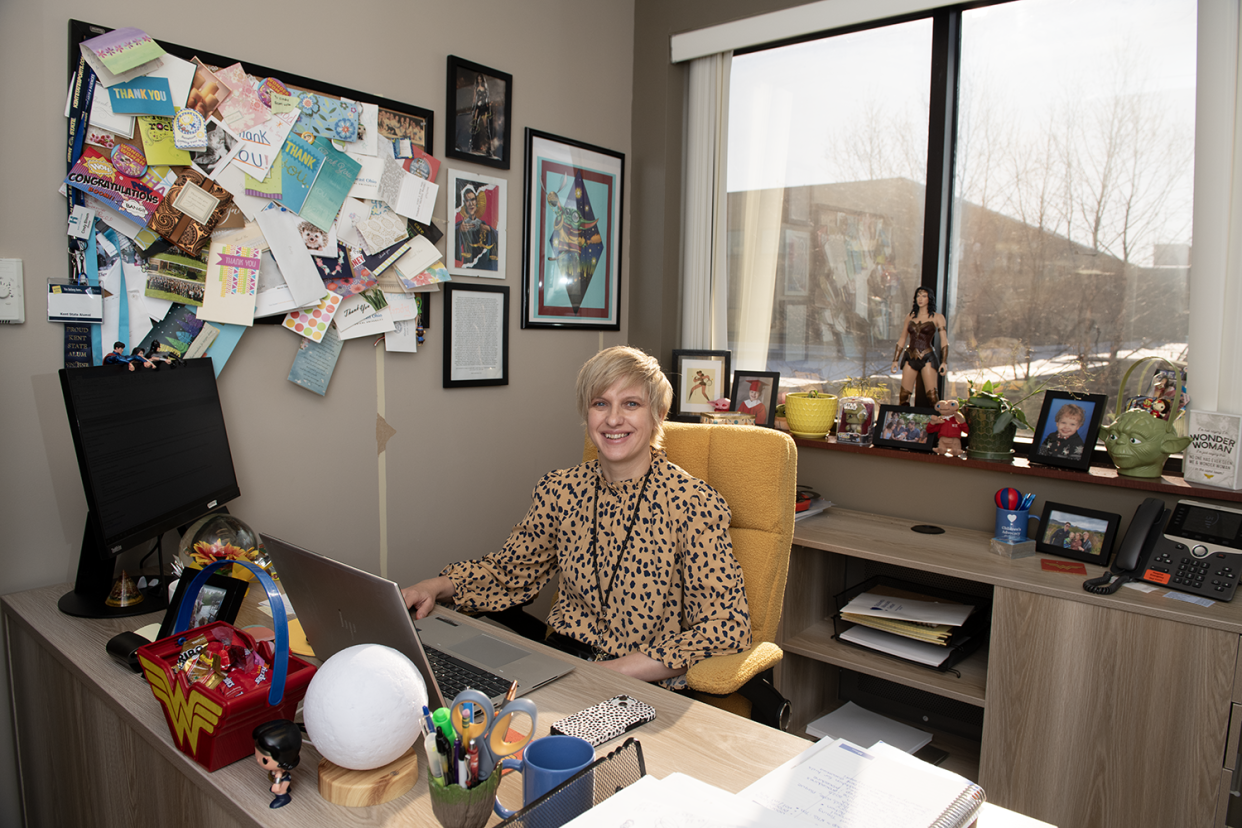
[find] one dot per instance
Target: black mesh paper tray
(604, 777)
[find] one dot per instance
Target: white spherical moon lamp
(363, 708)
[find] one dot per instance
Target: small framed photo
(1068, 426)
(478, 114)
(698, 378)
(477, 224)
(476, 335)
(572, 206)
(904, 427)
(218, 600)
(1077, 533)
(754, 392)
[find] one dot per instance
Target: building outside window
(1067, 250)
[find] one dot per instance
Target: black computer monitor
(154, 455)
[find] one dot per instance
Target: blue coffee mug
(546, 763)
(1012, 524)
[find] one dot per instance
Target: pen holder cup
(1012, 524)
(458, 807)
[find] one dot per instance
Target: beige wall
(459, 471)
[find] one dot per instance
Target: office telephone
(1197, 549)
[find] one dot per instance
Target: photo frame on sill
(1068, 427)
(904, 427)
(478, 125)
(476, 335)
(1077, 533)
(754, 392)
(572, 214)
(698, 378)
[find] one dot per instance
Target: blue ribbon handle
(280, 662)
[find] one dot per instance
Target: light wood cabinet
(1095, 710)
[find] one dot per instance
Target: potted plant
(780, 422)
(810, 414)
(993, 422)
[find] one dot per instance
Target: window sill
(1170, 484)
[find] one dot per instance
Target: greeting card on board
(232, 282)
(259, 147)
(207, 91)
(331, 186)
(300, 165)
(243, 109)
(313, 323)
(329, 117)
(191, 210)
(159, 141)
(123, 49)
(142, 96)
(409, 195)
(137, 198)
(315, 361)
(368, 133)
(421, 164)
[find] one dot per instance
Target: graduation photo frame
(755, 392)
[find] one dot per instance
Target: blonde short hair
(1071, 410)
(627, 366)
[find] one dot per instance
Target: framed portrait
(218, 600)
(1077, 533)
(797, 261)
(904, 427)
(698, 378)
(754, 392)
(571, 247)
(478, 109)
(1068, 426)
(476, 335)
(476, 227)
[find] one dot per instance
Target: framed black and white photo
(698, 378)
(476, 335)
(478, 112)
(1077, 533)
(904, 427)
(1068, 426)
(571, 262)
(754, 392)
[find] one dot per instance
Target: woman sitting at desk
(649, 585)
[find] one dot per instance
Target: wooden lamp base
(359, 788)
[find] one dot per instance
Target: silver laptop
(340, 606)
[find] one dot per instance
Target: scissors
(492, 733)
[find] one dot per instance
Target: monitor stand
(96, 573)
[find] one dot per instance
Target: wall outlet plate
(12, 295)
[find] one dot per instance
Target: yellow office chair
(756, 471)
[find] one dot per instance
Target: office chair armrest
(726, 674)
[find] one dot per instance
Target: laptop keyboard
(455, 675)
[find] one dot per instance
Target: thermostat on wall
(12, 300)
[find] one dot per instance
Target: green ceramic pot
(984, 445)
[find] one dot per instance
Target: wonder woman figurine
(915, 354)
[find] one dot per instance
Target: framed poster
(476, 335)
(571, 215)
(476, 228)
(698, 378)
(1068, 426)
(478, 109)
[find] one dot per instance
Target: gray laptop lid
(339, 606)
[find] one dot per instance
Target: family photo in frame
(904, 427)
(1068, 426)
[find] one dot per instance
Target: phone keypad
(1211, 577)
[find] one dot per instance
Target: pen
(472, 758)
(463, 770)
(433, 758)
(428, 721)
(444, 751)
(511, 695)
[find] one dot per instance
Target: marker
(444, 725)
(444, 752)
(463, 767)
(433, 758)
(472, 759)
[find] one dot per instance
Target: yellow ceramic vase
(810, 417)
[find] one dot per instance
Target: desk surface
(686, 736)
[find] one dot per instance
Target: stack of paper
(862, 727)
(906, 624)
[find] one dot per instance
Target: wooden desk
(94, 749)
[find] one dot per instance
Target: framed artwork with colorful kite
(571, 266)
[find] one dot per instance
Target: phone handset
(1145, 529)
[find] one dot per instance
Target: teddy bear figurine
(951, 426)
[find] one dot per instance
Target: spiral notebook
(837, 784)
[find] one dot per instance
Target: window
(1066, 188)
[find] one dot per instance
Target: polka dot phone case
(607, 720)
